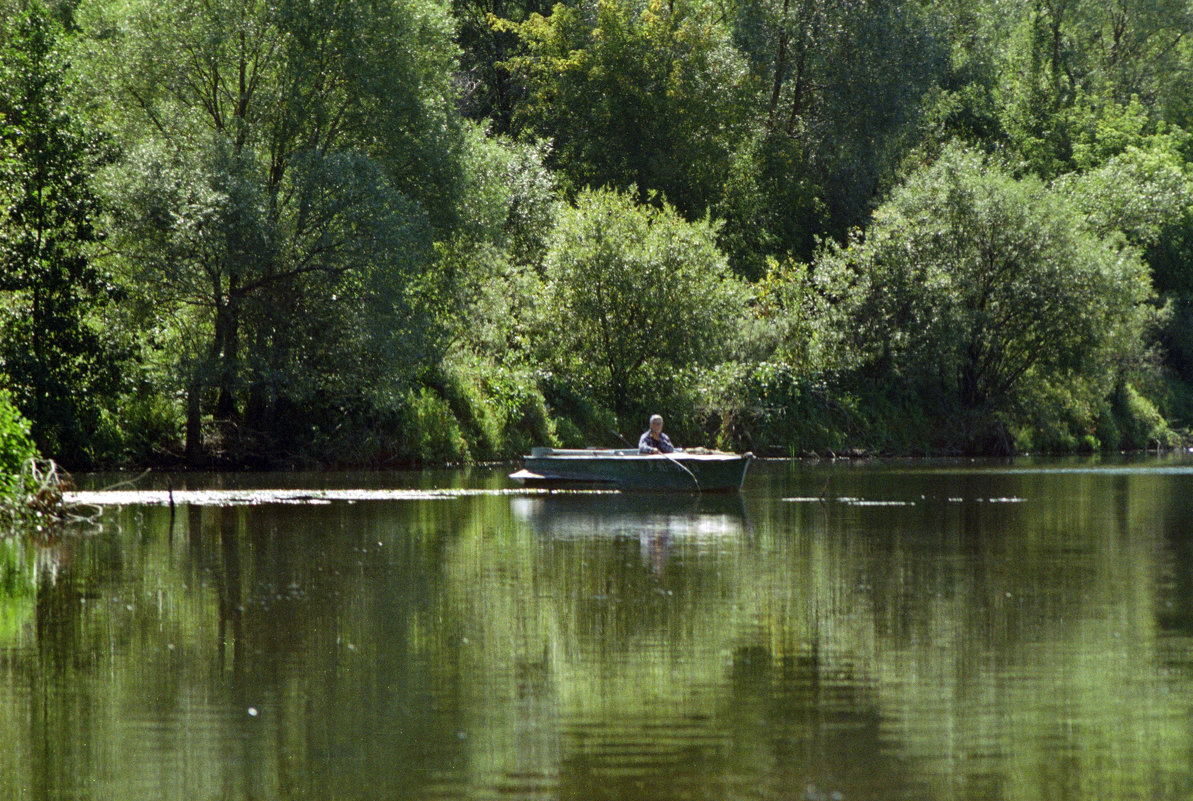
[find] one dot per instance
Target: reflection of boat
(585, 516)
(658, 523)
(687, 471)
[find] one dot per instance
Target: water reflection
(898, 634)
(656, 522)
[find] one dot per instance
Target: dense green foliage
(54, 352)
(332, 232)
(651, 96)
(16, 452)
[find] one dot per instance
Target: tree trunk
(37, 423)
(257, 412)
(797, 93)
(226, 347)
(780, 68)
(194, 423)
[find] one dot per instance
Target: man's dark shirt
(663, 443)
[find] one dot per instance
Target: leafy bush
(437, 434)
(502, 411)
(16, 451)
(1139, 423)
(16, 446)
(580, 421)
(634, 293)
(1056, 415)
(773, 410)
(147, 429)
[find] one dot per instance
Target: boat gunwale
(620, 455)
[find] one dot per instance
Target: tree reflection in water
(897, 633)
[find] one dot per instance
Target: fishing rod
(682, 467)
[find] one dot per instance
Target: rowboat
(697, 470)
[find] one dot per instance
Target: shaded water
(855, 631)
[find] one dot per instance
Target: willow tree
(285, 164)
(983, 295)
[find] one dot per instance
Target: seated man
(654, 440)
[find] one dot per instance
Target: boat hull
(682, 471)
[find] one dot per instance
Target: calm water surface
(910, 630)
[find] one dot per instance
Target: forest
(272, 234)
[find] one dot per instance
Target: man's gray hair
(654, 417)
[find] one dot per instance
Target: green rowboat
(626, 469)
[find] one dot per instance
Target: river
(849, 631)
